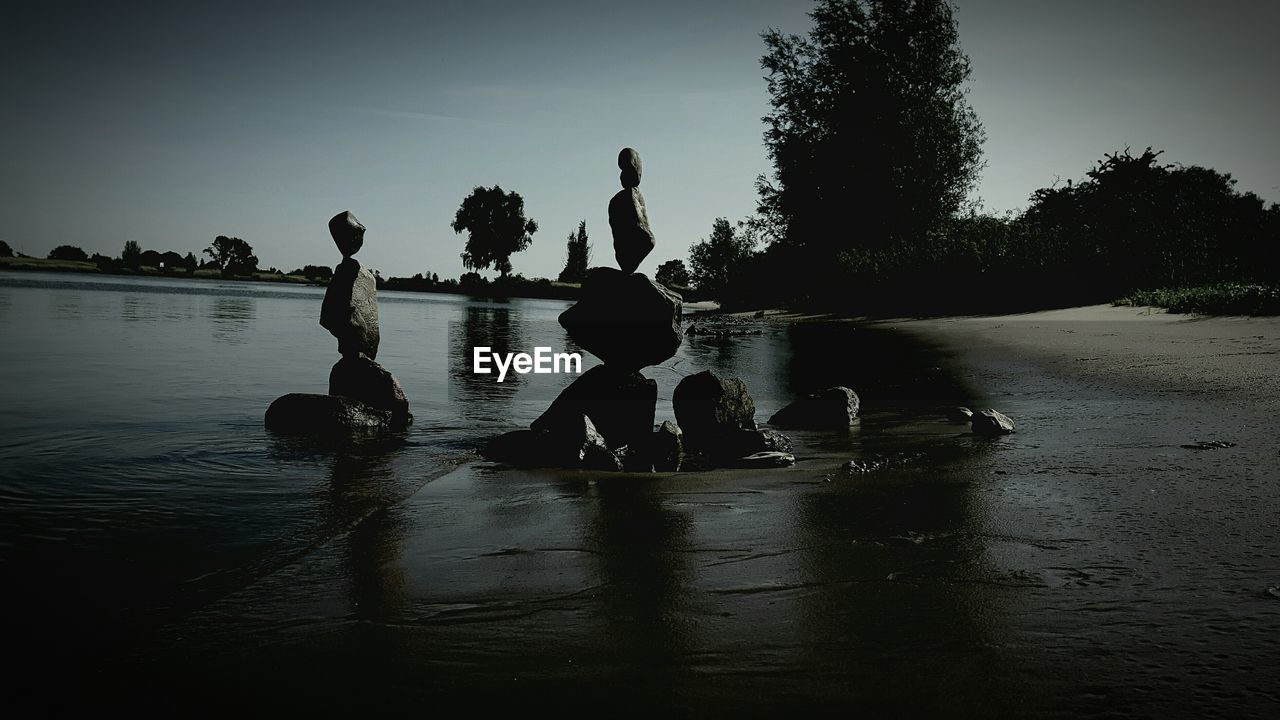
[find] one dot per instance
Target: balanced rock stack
(605, 418)
(362, 394)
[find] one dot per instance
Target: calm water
(134, 467)
(155, 538)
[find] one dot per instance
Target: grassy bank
(1218, 299)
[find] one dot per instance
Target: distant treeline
(1133, 224)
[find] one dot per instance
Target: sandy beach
(1088, 565)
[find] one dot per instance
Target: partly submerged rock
(574, 443)
(620, 404)
(959, 414)
(313, 414)
(628, 321)
(347, 232)
(362, 379)
(350, 309)
(833, 407)
(708, 406)
(991, 422)
(740, 443)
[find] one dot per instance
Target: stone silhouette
(632, 238)
(347, 232)
(626, 320)
(350, 308)
(363, 396)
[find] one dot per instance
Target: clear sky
(170, 123)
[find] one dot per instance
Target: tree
(131, 254)
(68, 252)
(713, 261)
(232, 255)
(871, 136)
(495, 226)
(5, 250)
(577, 257)
(672, 273)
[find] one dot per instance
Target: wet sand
(1086, 566)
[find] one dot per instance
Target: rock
(629, 164)
(523, 448)
(764, 460)
(629, 221)
(707, 406)
(312, 414)
(363, 379)
(991, 422)
(834, 407)
(347, 232)
(628, 321)
(573, 443)
(666, 447)
(959, 414)
(740, 443)
(620, 404)
(350, 309)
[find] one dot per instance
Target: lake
(161, 548)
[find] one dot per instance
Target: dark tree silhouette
(5, 250)
(577, 256)
(872, 139)
(232, 255)
(714, 260)
(495, 226)
(67, 252)
(131, 255)
(672, 273)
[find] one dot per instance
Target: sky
(172, 123)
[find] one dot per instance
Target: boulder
(620, 404)
(572, 443)
(347, 232)
(991, 422)
(959, 414)
(629, 221)
(312, 414)
(708, 406)
(362, 379)
(740, 443)
(833, 407)
(523, 448)
(350, 309)
(628, 321)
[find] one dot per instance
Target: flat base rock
(620, 404)
(740, 443)
(360, 378)
(571, 445)
(708, 406)
(312, 414)
(626, 320)
(834, 407)
(991, 422)
(350, 309)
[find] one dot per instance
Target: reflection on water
(501, 329)
(231, 317)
